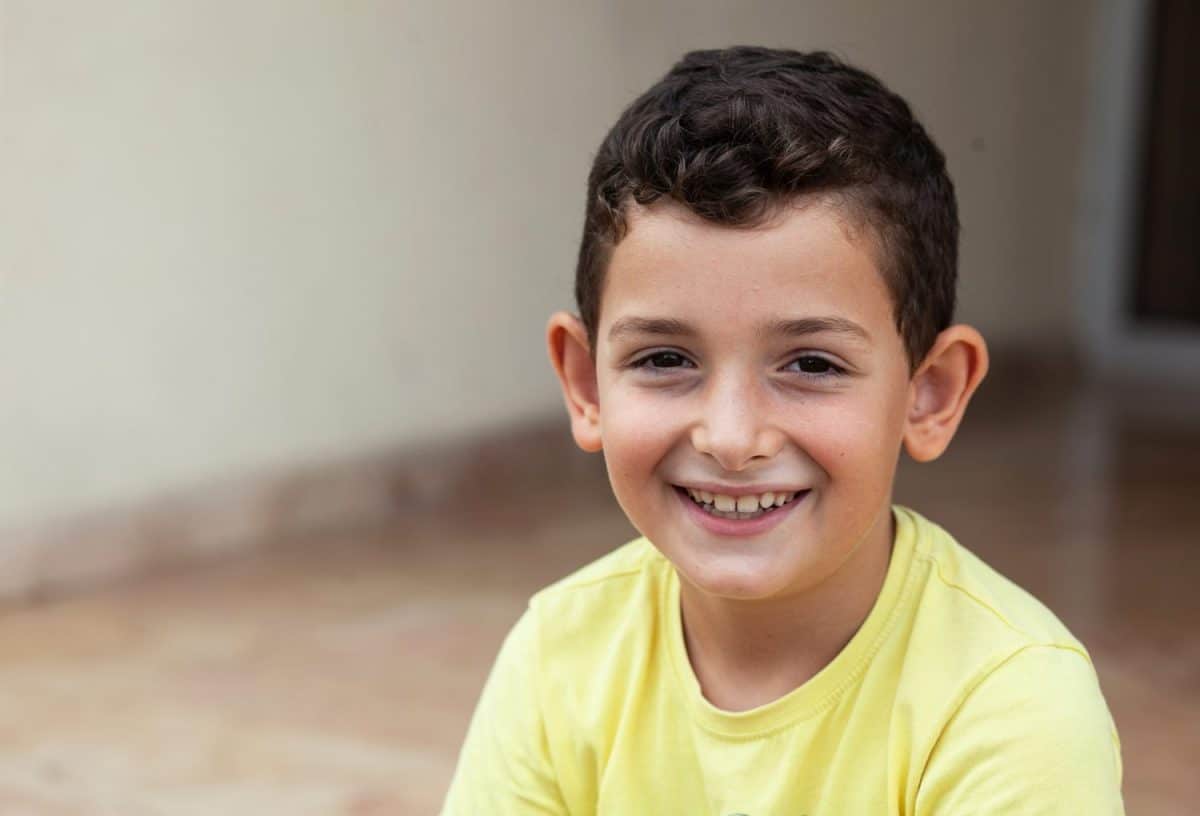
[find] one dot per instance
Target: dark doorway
(1167, 284)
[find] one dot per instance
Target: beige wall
(243, 234)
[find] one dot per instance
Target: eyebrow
(815, 325)
(794, 327)
(650, 325)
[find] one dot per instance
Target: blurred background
(281, 457)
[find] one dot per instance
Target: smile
(748, 506)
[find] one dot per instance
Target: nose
(734, 426)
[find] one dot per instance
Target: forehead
(809, 260)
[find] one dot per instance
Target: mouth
(739, 508)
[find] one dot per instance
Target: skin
(718, 390)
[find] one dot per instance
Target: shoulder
(971, 620)
(1033, 735)
(631, 567)
(1012, 708)
(616, 596)
(965, 598)
(628, 560)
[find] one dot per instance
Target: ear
(940, 389)
(572, 360)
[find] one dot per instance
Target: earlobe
(570, 354)
(940, 390)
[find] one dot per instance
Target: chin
(739, 582)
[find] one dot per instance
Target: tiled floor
(336, 676)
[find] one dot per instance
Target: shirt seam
(1033, 640)
(570, 584)
(970, 688)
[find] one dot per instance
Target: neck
(748, 653)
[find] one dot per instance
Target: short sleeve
(504, 767)
(1033, 737)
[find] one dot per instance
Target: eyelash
(833, 370)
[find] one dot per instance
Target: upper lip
(739, 490)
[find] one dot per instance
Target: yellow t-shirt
(960, 694)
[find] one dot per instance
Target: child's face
(748, 361)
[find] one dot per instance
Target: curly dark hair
(733, 134)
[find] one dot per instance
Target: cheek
(634, 432)
(856, 438)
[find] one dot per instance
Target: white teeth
(740, 506)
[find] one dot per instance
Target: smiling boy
(766, 289)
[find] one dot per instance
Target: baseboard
(209, 522)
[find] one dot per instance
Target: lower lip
(738, 527)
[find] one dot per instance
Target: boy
(766, 284)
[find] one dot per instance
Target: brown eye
(667, 359)
(663, 361)
(814, 366)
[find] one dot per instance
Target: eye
(814, 366)
(660, 360)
